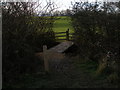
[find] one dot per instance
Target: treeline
(23, 34)
(97, 34)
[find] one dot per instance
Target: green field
(62, 24)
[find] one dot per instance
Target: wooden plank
(60, 39)
(45, 56)
(62, 46)
(59, 32)
(61, 36)
(55, 51)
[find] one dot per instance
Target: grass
(89, 66)
(62, 24)
(77, 75)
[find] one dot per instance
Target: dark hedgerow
(97, 31)
(23, 34)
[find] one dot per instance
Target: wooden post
(45, 56)
(67, 34)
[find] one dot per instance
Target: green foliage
(97, 31)
(23, 34)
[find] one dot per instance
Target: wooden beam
(45, 57)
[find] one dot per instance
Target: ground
(67, 73)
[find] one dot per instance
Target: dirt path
(65, 74)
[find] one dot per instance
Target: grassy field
(62, 24)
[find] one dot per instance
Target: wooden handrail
(59, 32)
(68, 35)
(61, 36)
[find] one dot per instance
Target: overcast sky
(65, 4)
(61, 4)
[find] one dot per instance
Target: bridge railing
(65, 35)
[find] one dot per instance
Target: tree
(68, 12)
(97, 30)
(23, 33)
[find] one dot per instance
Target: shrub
(23, 33)
(97, 31)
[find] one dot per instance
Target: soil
(64, 74)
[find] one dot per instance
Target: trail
(66, 75)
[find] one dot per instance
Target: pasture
(62, 24)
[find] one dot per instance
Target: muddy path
(64, 73)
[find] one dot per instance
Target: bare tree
(45, 7)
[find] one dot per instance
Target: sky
(65, 4)
(60, 4)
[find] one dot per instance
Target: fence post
(67, 35)
(45, 56)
